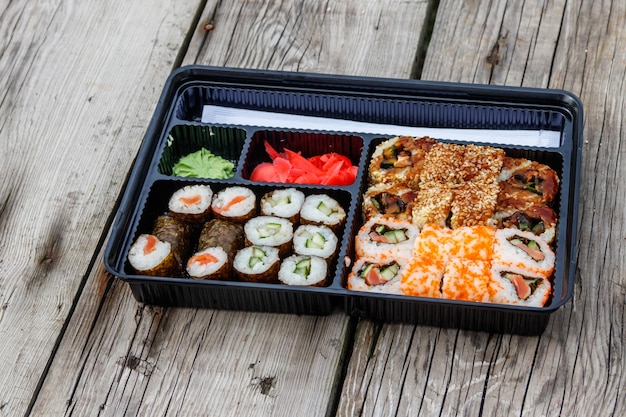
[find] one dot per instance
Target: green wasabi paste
(203, 164)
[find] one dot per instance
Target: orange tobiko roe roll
(466, 280)
(433, 242)
(422, 277)
(472, 242)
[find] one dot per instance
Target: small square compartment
(308, 144)
(225, 142)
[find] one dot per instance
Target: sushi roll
(538, 219)
(318, 240)
(472, 243)
(511, 285)
(393, 200)
(237, 204)
(524, 250)
(218, 243)
(323, 209)
(269, 231)
(423, 277)
(283, 203)
(386, 235)
(303, 270)
(178, 233)
(210, 263)
(372, 275)
(466, 280)
(191, 203)
(150, 256)
(527, 182)
(399, 160)
(257, 264)
(434, 243)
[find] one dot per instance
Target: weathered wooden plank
(76, 97)
(576, 366)
(119, 357)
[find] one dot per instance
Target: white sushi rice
(242, 260)
(146, 261)
(197, 269)
(318, 240)
(178, 205)
(282, 203)
(225, 196)
(268, 231)
(288, 271)
(311, 210)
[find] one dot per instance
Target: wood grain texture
(576, 367)
(351, 37)
(118, 357)
(75, 102)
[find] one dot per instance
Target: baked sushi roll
(524, 182)
(257, 264)
(538, 219)
(269, 231)
(237, 204)
(303, 270)
(191, 203)
(524, 250)
(218, 243)
(386, 236)
(399, 160)
(318, 240)
(373, 275)
(284, 203)
(323, 209)
(393, 200)
(516, 286)
(153, 257)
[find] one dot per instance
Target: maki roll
(257, 264)
(511, 285)
(393, 200)
(218, 243)
(269, 231)
(150, 256)
(370, 274)
(237, 204)
(191, 203)
(315, 240)
(322, 209)
(303, 270)
(163, 251)
(385, 235)
(283, 203)
(524, 250)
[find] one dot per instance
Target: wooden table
(80, 81)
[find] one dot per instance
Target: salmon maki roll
(150, 256)
(237, 204)
(218, 243)
(371, 275)
(466, 280)
(178, 233)
(385, 235)
(210, 263)
(516, 286)
(423, 277)
(524, 250)
(191, 203)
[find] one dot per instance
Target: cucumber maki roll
(315, 240)
(257, 264)
(284, 203)
(323, 209)
(269, 231)
(303, 270)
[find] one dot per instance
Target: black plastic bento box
(350, 116)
